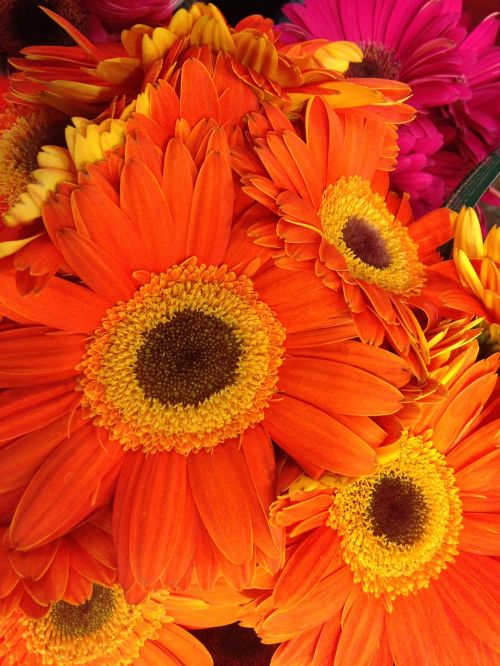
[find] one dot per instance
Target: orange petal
(312, 435)
(421, 630)
(51, 586)
(299, 299)
(119, 238)
(61, 492)
(325, 603)
(379, 362)
(179, 174)
(34, 564)
(363, 615)
(154, 512)
(8, 577)
(258, 459)
(461, 410)
(61, 304)
(221, 502)
(24, 410)
(317, 556)
(97, 269)
(197, 85)
(144, 203)
(471, 593)
(211, 210)
(39, 359)
(481, 533)
(326, 384)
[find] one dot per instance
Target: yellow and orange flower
(333, 211)
(405, 557)
(85, 79)
(105, 630)
(24, 245)
(180, 349)
(62, 569)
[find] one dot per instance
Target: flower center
(397, 510)
(190, 361)
(22, 134)
(71, 621)
(379, 62)
(399, 526)
(186, 360)
(374, 245)
(366, 243)
(105, 629)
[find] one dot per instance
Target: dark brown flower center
(186, 360)
(76, 621)
(397, 510)
(366, 243)
(379, 62)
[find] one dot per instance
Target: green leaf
(471, 189)
(473, 186)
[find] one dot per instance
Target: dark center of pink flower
(235, 646)
(24, 24)
(366, 243)
(379, 62)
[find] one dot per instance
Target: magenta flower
(472, 122)
(454, 77)
(414, 42)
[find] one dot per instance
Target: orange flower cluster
(239, 383)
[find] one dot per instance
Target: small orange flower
(62, 569)
(333, 211)
(104, 630)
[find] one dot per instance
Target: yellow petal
(492, 244)
(338, 55)
(117, 70)
(11, 247)
(468, 274)
(468, 236)
(23, 212)
(55, 157)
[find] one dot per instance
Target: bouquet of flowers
(249, 335)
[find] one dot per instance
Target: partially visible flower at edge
(454, 77)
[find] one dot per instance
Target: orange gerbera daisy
(104, 631)
(85, 79)
(334, 212)
(180, 349)
(65, 568)
(399, 565)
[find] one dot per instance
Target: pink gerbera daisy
(427, 47)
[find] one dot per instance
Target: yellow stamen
(400, 526)
(105, 628)
(375, 247)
